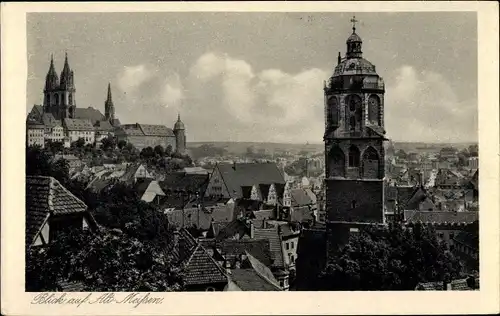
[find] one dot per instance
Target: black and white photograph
(250, 151)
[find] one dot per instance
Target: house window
(287, 246)
(281, 283)
(293, 245)
(292, 259)
(353, 204)
(441, 235)
(452, 235)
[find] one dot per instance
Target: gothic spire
(109, 108)
(51, 80)
(110, 97)
(66, 81)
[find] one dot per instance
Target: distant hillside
(241, 147)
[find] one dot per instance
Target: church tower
(50, 97)
(109, 108)
(59, 95)
(180, 136)
(354, 138)
(67, 104)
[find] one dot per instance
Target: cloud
(132, 77)
(251, 105)
(228, 98)
(149, 86)
(422, 106)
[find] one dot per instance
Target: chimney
(252, 230)
(339, 59)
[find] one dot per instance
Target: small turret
(180, 136)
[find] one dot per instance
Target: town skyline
(219, 80)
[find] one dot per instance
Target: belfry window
(354, 156)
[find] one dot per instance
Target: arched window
(354, 108)
(371, 164)
(70, 97)
(374, 109)
(57, 99)
(354, 156)
(333, 111)
(337, 162)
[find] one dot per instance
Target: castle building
(64, 122)
(354, 140)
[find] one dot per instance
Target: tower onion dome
(178, 125)
(51, 80)
(66, 75)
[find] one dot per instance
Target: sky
(259, 76)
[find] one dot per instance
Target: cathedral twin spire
(52, 81)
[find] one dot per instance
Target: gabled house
(149, 191)
(135, 172)
(50, 209)
(201, 271)
(304, 207)
(233, 180)
(252, 275)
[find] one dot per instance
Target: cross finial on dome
(353, 21)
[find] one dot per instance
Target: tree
(159, 151)
(103, 262)
(108, 143)
(147, 153)
(121, 144)
(168, 151)
(79, 144)
(392, 259)
(54, 147)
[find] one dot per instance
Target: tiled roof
(300, 198)
(142, 185)
(201, 218)
(91, 114)
(256, 277)
(34, 125)
(236, 227)
(236, 176)
(103, 126)
(259, 249)
(301, 214)
(186, 182)
(130, 130)
(78, 124)
(45, 196)
(156, 130)
(275, 245)
(440, 217)
(49, 120)
(199, 266)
